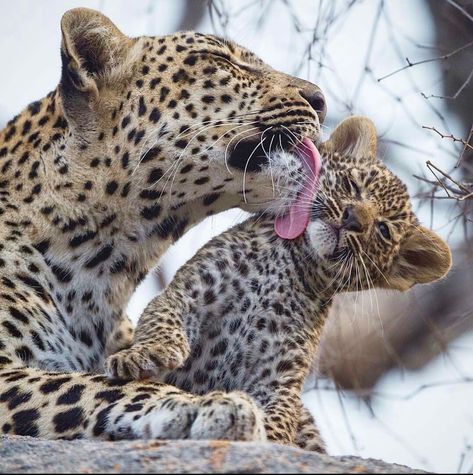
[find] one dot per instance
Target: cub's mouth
(253, 156)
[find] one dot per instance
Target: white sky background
(429, 430)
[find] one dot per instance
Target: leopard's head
(184, 116)
(363, 229)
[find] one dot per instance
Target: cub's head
(184, 116)
(362, 227)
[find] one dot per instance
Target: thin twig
(466, 145)
(450, 136)
(459, 91)
(411, 64)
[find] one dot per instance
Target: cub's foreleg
(160, 343)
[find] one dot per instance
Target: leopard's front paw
(228, 416)
(144, 361)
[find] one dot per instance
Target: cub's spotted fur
(251, 306)
(143, 138)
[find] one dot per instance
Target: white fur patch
(323, 238)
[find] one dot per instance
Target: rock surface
(26, 455)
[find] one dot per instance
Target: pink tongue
(294, 223)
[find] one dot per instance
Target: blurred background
(393, 378)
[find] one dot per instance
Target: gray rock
(27, 455)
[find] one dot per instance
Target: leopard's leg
(42, 394)
(161, 342)
(228, 416)
(71, 405)
(308, 436)
(288, 422)
(281, 415)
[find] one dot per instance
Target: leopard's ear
(423, 257)
(354, 137)
(92, 48)
(94, 53)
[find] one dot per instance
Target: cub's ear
(355, 137)
(423, 257)
(92, 50)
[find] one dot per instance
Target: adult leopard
(142, 139)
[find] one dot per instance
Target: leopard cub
(246, 313)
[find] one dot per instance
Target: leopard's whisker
(248, 161)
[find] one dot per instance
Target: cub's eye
(384, 230)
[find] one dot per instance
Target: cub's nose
(351, 221)
(316, 99)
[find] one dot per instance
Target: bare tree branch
(411, 64)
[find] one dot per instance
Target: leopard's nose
(351, 221)
(316, 99)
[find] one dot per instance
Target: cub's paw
(232, 416)
(145, 361)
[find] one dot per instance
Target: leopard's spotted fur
(252, 306)
(142, 139)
